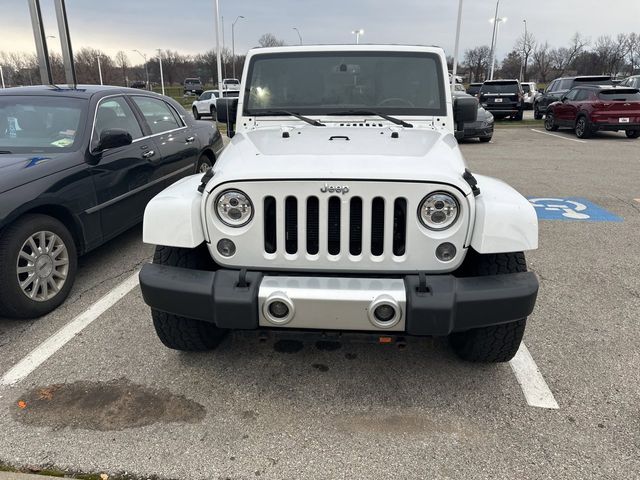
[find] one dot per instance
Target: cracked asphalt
(115, 400)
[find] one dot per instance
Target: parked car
(529, 90)
(206, 103)
(503, 98)
(474, 89)
(588, 109)
(633, 81)
(193, 86)
(358, 196)
(230, 84)
(77, 167)
(481, 128)
(557, 88)
(138, 84)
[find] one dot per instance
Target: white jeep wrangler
(343, 203)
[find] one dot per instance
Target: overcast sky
(188, 26)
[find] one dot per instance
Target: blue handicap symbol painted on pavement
(571, 208)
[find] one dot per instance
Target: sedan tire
(632, 133)
(38, 263)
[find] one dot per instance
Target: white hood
(367, 153)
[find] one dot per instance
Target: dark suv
(194, 86)
(503, 98)
(560, 86)
(474, 89)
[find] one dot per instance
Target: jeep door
(177, 142)
(125, 178)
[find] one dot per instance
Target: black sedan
(481, 128)
(77, 167)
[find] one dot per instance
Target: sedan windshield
(330, 83)
(40, 124)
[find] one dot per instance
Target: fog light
(446, 252)
(278, 309)
(384, 312)
(226, 247)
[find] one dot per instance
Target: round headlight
(234, 208)
(438, 210)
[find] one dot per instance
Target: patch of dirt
(113, 405)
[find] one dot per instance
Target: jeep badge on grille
(335, 188)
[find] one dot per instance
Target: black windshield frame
(328, 109)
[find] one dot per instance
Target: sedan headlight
(234, 208)
(438, 211)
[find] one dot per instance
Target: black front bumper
(449, 303)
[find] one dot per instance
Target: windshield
(231, 82)
(40, 124)
(620, 95)
(334, 83)
(231, 93)
(526, 88)
(191, 81)
(500, 87)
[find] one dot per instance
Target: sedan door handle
(190, 139)
(148, 154)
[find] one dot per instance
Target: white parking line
(56, 341)
(535, 389)
(559, 136)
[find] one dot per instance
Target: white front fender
(172, 218)
(505, 220)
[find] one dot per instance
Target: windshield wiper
(395, 120)
(310, 121)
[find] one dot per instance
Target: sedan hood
(335, 152)
(19, 169)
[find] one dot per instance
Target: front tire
(38, 264)
(486, 139)
(181, 333)
(196, 114)
(632, 133)
(537, 114)
(214, 113)
(497, 343)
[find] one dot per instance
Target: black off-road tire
(632, 133)
(13, 302)
(497, 343)
(181, 333)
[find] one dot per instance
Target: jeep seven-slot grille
(328, 230)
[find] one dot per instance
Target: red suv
(587, 109)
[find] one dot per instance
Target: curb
(25, 476)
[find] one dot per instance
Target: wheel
(518, 116)
(549, 122)
(537, 114)
(38, 263)
(583, 129)
(632, 133)
(204, 164)
(180, 333)
(196, 115)
(214, 113)
(497, 343)
(486, 139)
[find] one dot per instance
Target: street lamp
(299, 34)
(146, 70)
(2, 76)
(496, 23)
(161, 74)
(233, 44)
(357, 33)
(99, 69)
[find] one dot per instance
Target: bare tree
(477, 61)
(564, 57)
(122, 62)
(525, 45)
(270, 40)
(542, 62)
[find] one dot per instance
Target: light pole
(161, 74)
(299, 34)
(2, 76)
(493, 34)
(357, 33)
(524, 49)
(146, 70)
(233, 44)
(454, 70)
(99, 69)
(496, 23)
(218, 52)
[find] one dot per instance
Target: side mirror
(226, 111)
(465, 109)
(113, 138)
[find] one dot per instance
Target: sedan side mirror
(113, 138)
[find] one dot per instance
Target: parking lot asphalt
(114, 400)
